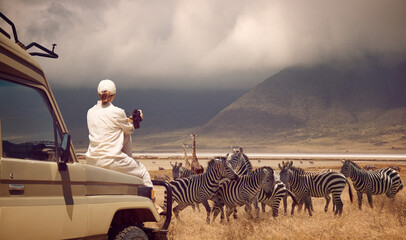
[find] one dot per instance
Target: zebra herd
(231, 182)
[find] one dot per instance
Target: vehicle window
(27, 128)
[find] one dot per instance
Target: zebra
(243, 191)
(242, 166)
(279, 191)
(180, 172)
(312, 173)
(201, 187)
(385, 180)
(240, 162)
(306, 186)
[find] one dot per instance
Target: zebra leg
(327, 202)
(235, 213)
(256, 206)
(369, 196)
(293, 208)
(249, 208)
(178, 208)
(275, 208)
(229, 210)
(216, 211)
(338, 202)
(208, 210)
(308, 206)
(217, 208)
(308, 203)
(359, 194)
(263, 205)
(285, 203)
(339, 207)
(300, 205)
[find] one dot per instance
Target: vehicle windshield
(27, 129)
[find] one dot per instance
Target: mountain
(326, 108)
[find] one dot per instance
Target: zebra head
(240, 162)
(225, 169)
(347, 167)
(176, 170)
(286, 172)
(268, 180)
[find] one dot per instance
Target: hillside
(357, 108)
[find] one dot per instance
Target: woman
(110, 136)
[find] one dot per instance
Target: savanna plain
(386, 220)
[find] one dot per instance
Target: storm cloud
(202, 43)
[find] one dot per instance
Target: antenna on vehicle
(48, 53)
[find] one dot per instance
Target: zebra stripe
(385, 180)
(243, 191)
(202, 187)
(306, 186)
(279, 191)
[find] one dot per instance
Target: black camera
(136, 116)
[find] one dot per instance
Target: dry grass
(387, 220)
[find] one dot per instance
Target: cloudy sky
(202, 43)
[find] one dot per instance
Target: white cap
(106, 85)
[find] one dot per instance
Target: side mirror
(65, 148)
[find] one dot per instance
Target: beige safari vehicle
(45, 192)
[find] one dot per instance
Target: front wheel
(132, 233)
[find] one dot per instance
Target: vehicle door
(39, 199)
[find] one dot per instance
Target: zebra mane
(247, 160)
(354, 164)
(298, 169)
(262, 168)
(210, 164)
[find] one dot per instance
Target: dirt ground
(387, 220)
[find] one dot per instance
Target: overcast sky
(202, 43)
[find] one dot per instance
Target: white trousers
(131, 166)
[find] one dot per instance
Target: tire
(133, 233)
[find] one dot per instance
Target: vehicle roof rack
(48, 53)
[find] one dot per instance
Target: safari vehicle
(45, 192)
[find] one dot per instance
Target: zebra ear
(342, 161)
(290, 164)
(171, 164)
(279, 165)
(180, 164)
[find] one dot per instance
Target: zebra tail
(349, 189)
(292, 196)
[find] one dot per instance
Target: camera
(136, 116)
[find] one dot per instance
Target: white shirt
(107, 125)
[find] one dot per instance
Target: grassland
(387, 220)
